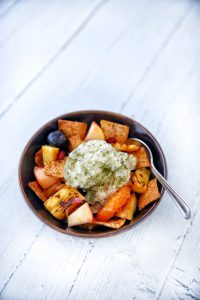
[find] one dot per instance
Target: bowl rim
(81, 234)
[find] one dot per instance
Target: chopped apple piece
(127, 211)
(95, 132)
(49, 153)
(83, 215)
(44, 181)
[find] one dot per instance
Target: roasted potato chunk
(127, 211)
(140, 180)
(56, 203)
(152, 194)
(117, 132)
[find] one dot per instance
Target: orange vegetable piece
(127, 211)
(114, 203)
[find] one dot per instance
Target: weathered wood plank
(130, 252)
(32, 48)
(33, 59)
(16, 15)
(10, 257)
(6, 6)
(62, 255)
(183, 280)
(151, 247)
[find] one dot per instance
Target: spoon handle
(183, 207)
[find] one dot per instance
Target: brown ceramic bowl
(39, 138)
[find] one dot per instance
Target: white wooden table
(140, 58)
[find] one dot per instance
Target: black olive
(57, 139)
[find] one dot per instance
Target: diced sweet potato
(140, 180)
(38, 190)
(55, 168)
(115, 224)
(113, 130)
(142, 158)
(54, 189)
(56, 203)
(152, 194)
(127, 211)
(39, 158)
(114, 203)
(125, 147)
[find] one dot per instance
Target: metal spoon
(182, 205)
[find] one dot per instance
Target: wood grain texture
(183, 280)
(27, 53)
(144, 66)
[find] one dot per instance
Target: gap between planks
(156, 57)
(168, 39)
(8, 6)
(79, 29)
(84, 260)
(21, 260)
(76, 33)
(66, 44)
(187, 229)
